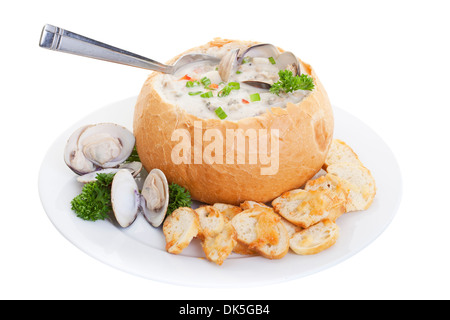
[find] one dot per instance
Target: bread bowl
(303, 131)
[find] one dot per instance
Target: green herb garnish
(246, 60)
(191, 84)
(220, 113)
(196, 93)
(205, 81)
(272, 60)
(227, 89)
(255, 97)
(238, 72)
(178, 197)
(208, 94)
(289, 83)
(94, 202)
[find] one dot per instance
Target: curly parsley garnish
(178, 197)
(94, 202)
(289, 83)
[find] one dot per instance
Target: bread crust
(265, 233)
(305, 208)
(315, 239)
(180, 228)
(305, 131)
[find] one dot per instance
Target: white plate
(140, 248)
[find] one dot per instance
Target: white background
(386, 62)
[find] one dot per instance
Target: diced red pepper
(245, 101)
(185, 77)
(214, 86)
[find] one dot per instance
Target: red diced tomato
(186, 77)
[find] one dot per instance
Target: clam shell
(228, 63)
(125, 198)
(134, 167)
(98, 146)
(155, 197)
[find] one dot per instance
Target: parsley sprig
(94, 201)
(289, 83)
(178, 197)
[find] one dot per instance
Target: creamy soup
(199, 89)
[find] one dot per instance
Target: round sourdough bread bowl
(304, 132)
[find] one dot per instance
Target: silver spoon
(58, 39)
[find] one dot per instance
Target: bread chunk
(305, 208)
(262, 231)
(217, 248)
(359, 176)
(290, 227)
(340, 189)
(216, 232)
(180, 228)
(251, 204)
(211, 221)
(316, 238)
(230, 211)
(340, 152)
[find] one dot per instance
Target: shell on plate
(127, 201)
(98, 146)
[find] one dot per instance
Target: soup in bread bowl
(248, 126)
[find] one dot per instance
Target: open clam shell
(155, 197)
(93, 147)
(134, 167)
(125, 198)
(260, 50)
(74, 157)
(287, 60)
(228, 64)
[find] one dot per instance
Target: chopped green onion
(224, 92)
(191, 84)
(208, 94)
(238, 72)
(205, 81)
(234, 85)
(255, 97)
(272, 60)
(227, 89)
(246, 60)
(194, 93)
(220, 113)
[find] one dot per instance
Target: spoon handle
(57, 39)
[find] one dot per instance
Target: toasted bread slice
(290, 227)
(340, 152)
(216, 232)
(261, 230)
(230, 211)
(359, 176)
(211, 221)
(180, 228)
(217, 248)
(305, 208)
(316, 238)
(340, 189)
(251, 204)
